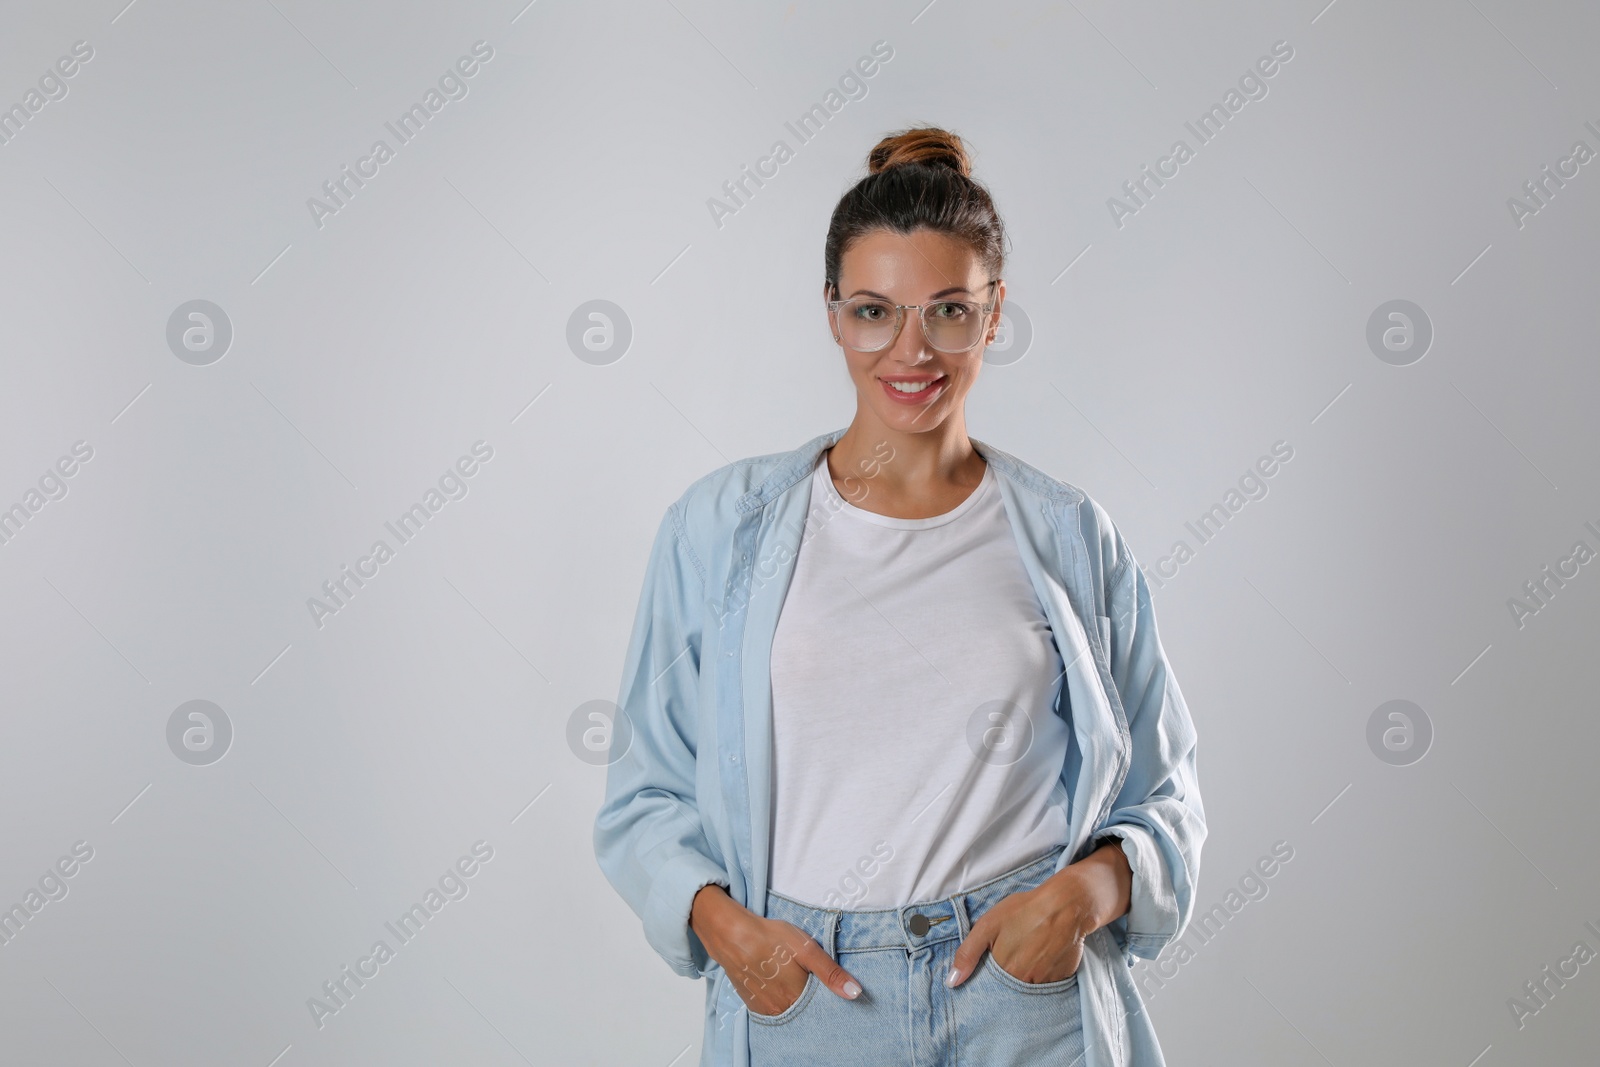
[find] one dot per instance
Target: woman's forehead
(921, 262)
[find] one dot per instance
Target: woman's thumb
(828, 971)
(969, 952)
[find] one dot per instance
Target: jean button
(918, 924)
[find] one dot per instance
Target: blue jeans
(906, 1016)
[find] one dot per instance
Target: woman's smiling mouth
(914, 389)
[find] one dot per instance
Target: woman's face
(922, 267)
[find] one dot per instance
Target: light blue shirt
(689, 802)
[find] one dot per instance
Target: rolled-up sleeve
(1157, 815)
(648, 835)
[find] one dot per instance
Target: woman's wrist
(1094, 891)
(1114, 877)
(708, 914)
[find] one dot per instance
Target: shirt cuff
(667, 911)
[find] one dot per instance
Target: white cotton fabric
(916, 752)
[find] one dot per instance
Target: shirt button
(733, 759)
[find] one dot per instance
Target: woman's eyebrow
(935, 296)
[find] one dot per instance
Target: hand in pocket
(1031, 935)
(771, 983)
(767, 960)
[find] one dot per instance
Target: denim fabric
(688, 801)
(906, 1016)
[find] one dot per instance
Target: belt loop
(963, 920)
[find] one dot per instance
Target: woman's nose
(911, 346)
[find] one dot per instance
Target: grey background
(432, 711)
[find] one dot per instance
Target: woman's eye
(949, 310)
(871, 312)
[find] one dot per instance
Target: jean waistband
(910, 926)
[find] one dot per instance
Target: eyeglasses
(868, 324)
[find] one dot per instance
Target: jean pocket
(788, 1014)
(1000, 973)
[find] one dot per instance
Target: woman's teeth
(910, 387)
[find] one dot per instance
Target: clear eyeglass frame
(922, 317)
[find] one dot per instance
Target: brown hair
(918, 178)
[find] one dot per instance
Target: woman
(907, 776)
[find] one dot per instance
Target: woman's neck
(908, 475)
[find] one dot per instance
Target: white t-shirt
(916, 752)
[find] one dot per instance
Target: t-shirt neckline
(837, 502)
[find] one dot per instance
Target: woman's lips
(913, 399)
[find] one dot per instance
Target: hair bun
(928, 145)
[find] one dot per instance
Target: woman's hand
(766, 959)
(1036, 935)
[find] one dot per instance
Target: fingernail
(852, 990)
(953, 977)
